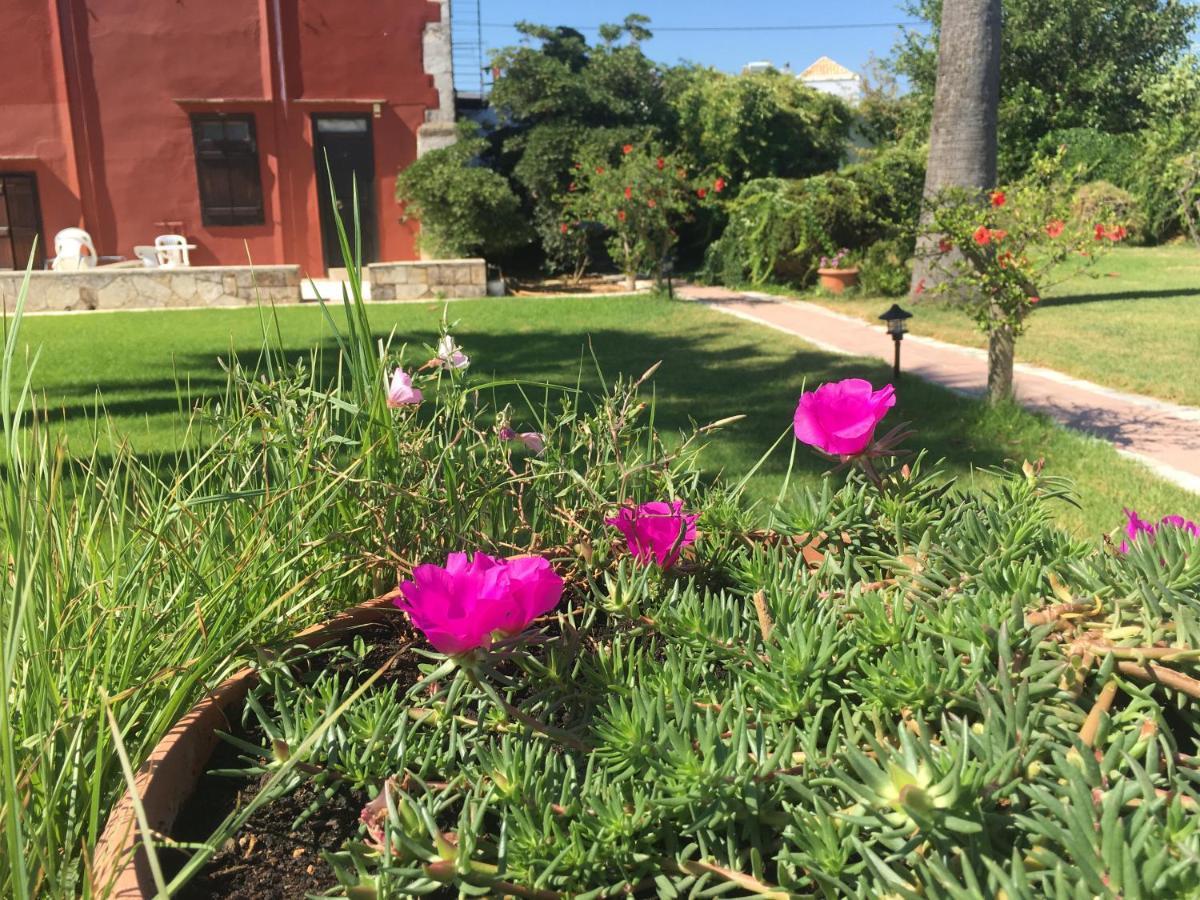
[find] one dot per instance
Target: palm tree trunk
(962, 137)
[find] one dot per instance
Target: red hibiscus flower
(563, 228)
(621, 214)
(1118, 233)
(982, 236)
(998, 198)
(1006, 259)
(661, 163)
(944, 246)
(920, 288)
(1099, 232)
(1055, 228)
(1035, 299)
(998, 234)
(651, 203)
(628, 192)
(571, 186)
(719, 185)
(599, 170)
(627, 149)
(701, 193)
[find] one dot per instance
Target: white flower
(449, 354)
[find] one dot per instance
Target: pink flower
(461, 605)
(840, 418)
(534, 441)
(401, 391)
(656, 531)
(1136, 526)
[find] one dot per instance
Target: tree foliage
(1066, 64)
(465, 209)
(759, 125)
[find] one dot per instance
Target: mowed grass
(1135, 326)
(135, 376)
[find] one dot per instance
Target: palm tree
(962, 142)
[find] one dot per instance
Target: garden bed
(932, 695)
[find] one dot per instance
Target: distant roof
(826, 69)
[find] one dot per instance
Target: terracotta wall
(95, 97)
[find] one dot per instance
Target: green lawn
(714, 366)
(1134, 327)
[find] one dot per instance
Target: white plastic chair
(147, 254)
(172, 251)
(73, 250)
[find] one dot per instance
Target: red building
(213, 119)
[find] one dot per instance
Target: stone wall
(128, 288)
(428, 279)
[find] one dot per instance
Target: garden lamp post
(895, 319)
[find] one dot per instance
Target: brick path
(1164, 436)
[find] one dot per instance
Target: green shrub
(780, 229)
(1100, 200)
(1115, 158)
(885, 269)
(465, 208)
(767, 125)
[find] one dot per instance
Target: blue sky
(725, 49)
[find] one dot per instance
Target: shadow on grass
(1097, 297)
(709, 372)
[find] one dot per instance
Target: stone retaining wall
(122, 288)
(428, 279)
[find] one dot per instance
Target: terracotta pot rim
(169, 775)
(852, 270)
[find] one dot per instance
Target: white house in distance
(824, 75)
(830, 77)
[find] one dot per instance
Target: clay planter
(837, 280)
(168, 777)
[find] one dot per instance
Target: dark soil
(269, 859)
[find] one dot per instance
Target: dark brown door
(345, 157)
(20, 222)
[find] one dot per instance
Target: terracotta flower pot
(167, 778)
(837, 280)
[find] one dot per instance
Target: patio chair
(172, 251)
(147, 254)
(73, 250)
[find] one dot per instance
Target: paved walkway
(1164, 436)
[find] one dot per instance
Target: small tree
(640, 200)
(998, 252)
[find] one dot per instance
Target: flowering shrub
(640, 200)
(656, 531)
(996, 255)
(1002, 254)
